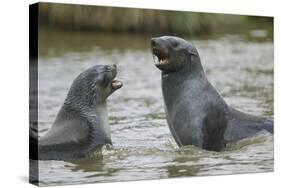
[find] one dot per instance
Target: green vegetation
(112, 19)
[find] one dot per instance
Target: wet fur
(196, 113)
(82, 122)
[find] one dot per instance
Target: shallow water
(240, 68)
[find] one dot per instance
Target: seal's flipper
(268, 125)
(242, 125)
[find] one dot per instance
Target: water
(241, 68)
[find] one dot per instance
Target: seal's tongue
(116, 84)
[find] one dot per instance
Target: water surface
(241, 68)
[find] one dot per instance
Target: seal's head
(94, 85)
(173, 53)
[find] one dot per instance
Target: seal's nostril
(152, 42)
(109, 67)
(113, 66)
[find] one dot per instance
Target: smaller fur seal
(82, 122)
(196, 113)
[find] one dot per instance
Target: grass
(112, 19)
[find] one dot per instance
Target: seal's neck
(100, 121)
(98, 117)
(185, 82)
(192, 70)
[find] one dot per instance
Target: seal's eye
(104, 81)
(175, 43)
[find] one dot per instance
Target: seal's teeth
(163, 61)
(116, 84)
(154, 56)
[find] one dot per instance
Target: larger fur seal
(195, 111)
(82, 123)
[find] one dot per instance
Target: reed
(98, 18)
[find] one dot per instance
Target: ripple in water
(143, 146)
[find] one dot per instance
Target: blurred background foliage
(113, 19)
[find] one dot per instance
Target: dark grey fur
(195, 111)
(82, 123)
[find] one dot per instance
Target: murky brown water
(241, 70)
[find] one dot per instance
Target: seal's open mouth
(116, 84)
(161, 55)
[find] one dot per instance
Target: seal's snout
(160, 51)
(110, 67)
(114, 66)
(153, 42)
(115, 84)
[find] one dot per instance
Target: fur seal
(196, 113)
(82, 122)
